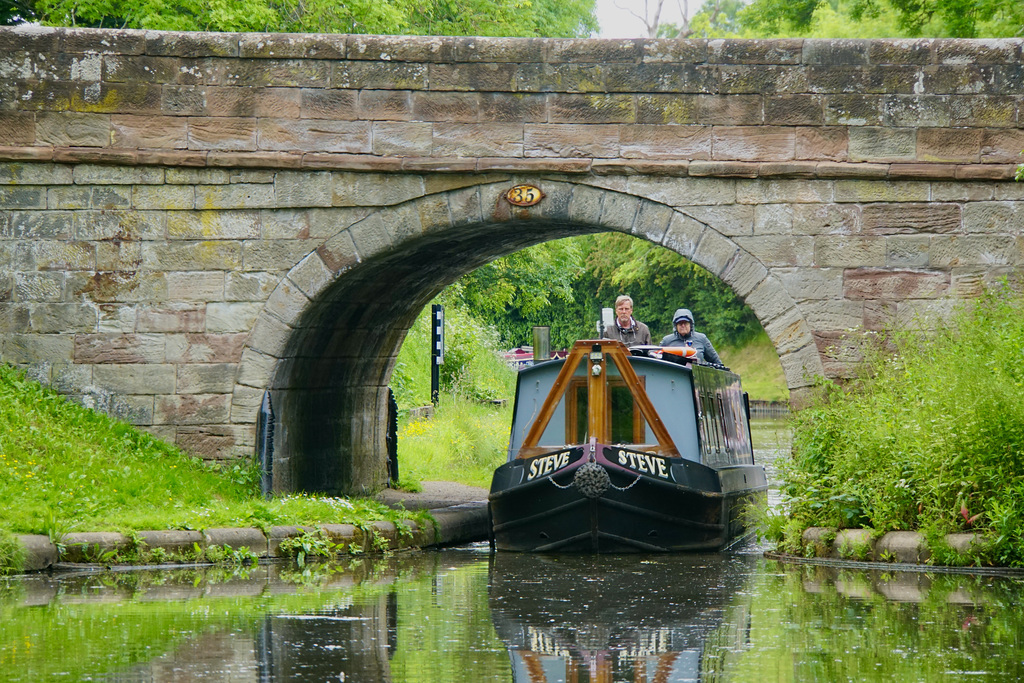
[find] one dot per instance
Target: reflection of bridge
(191, 219)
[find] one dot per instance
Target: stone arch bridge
(187, 220)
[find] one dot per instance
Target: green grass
(758, 366)
(65, 468)
(464, 441)
(930, 439)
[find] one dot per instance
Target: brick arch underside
(329, 383)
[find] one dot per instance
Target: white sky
(619, 23)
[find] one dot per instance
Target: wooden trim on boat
(598, 404)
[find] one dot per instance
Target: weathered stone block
(972, 250)
(192, 409)
(116, 318)
(285, 224)
(744, 273)
(714, 252)
(245, 404)
(35, 287)
(209, 255)
(231, 316)
(883, 144)
(782, 250)
(403, 139)
(683, 234)
(213, 225)
(318, 103)
(801, 367)
(276, 255)
(288, 302)
(303, 189)
(249, 286)
(897, 285)
(255, 369)
(235, 196)
(849, 251)
(206, 378)
(732, 220)
(375, 189)
(134, 378)
(385, 105)
(91, 546)
(72, 129)
(789, 332)
(880, 191)
(204, 348)
(315, 136)
(171, 317)
(666, 142)
(992, 217)
(569, 140)
(769, 300)
(56, 318)
(55, 255)
(148, 131)
(910, 217)
(269, 336)
(684, 191)
(37, 224)
(163, 197)
(478, 139)
(23, 197)
(750, 143)
(196, 285)
(907, 251)
(828, 143)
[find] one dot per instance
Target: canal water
(470, 615)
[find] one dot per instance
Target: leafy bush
(931, 438)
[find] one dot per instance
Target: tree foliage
(555, 18)
(884, 18)
(564, 284)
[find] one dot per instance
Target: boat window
(576, 412)
(627, 422)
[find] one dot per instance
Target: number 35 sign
(524, 195)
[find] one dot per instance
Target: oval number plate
(524, 195)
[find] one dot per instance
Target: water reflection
(581, 618)
(467, 615)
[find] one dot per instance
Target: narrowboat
(616, 450)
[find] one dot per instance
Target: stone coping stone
(172, 540)
(253, 539)
(909, 547)
(456, 525)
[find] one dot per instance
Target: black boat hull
(693, 508)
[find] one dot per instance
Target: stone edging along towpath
(906, 547)
(454, 525)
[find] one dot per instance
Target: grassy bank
(758, 365)
(65, 468)
(931, 439)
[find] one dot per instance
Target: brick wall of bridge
(187, 220)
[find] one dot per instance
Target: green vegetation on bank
(65, 468)
(931, 439)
